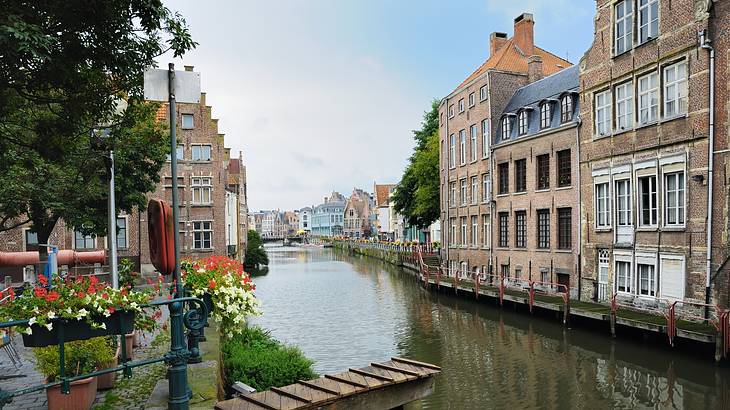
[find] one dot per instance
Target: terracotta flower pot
(129, 343)
(137, 338)
(83, 393)
(106, 381)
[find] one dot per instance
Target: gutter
(705, 44)
(579, 122)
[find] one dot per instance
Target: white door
(671, 277)
(624, 220)
(603, 288)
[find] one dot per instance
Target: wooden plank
(416, 363)
(249, 398)
(346, 381)
(372, 375)
(396, 376)
(290, 394)
(397, 369)
(352, 376)
(318, 387)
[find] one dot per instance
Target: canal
(347, 311)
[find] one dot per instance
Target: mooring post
(613, 315)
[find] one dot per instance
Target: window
(521, 175)
(475, 230)
(522, 125)
(474, 190)
(675, 90)
(503, 170)
(674, 211)
(603, 211)
(452, 151)
(603, 266)
(82, 241)
(503, 229)
(506, 128)
(505, 271)
(485, 230)
(647, 201)
(471, 100)
(486, 187)
(603, 113)
(485, 138)
(543, 171)
(564, 168)
(452, 194)
(202, 189)
(451, 111)
(187, 122)
(122, 233)
(520, 229)
(483, 94)
(624, 106)
(462, 147)
(623, 202)
(461, 105)
(546, 113)
(648, 20)
(473, 131)
(31, 240)
(623, 28)
(565, 226)
(452, 232)
(623, 276)
(647, 279)
(648, 98)
(202, 235)
(543, 228)
(566, 108)
(463, 191)
(201, 152)
(180, 153)
(463, 231)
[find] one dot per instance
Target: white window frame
(523, 123)
(472, 100)
(624, 95)
(180, 152)
(462, 147)
(680, 204)
(461, 106)
(651, 279)
(483, 93)
(474, 190)
(652, 17)
(199, 186)
(628, 282)
(487, 231)
(653, 203)
(603, 113)
(486, 187)
(604, 261)
(185, 126)
(566, 108)
(452, 233)
(675, 90)
(451, 111)
(546, 113)
(486, 134)
(506, 128)
(475, 230)
(648, 98)
(623, 43)
(464, 240)
(124, 245)
(602, 205)
(200, 152)
(452, 151)
(85, 239)
(474, 131)
(463, 191)
(199, 228)
(626, 198)
(452, 189)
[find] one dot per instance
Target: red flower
(40, 292)
(82, 294)
(111, 309)
(52, 296)
(211, 284)
(105, 296)
(43, 280)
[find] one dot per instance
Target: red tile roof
(382, 194)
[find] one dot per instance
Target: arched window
(522, 124)
(566, 108)
(546, 114)
(506, 128)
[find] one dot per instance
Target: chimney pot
(189, 68)
(525, 33)
(496, 41)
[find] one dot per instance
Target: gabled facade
(359, 218)
(328, 217)
(383, 206)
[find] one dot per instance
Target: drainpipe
(447, 187)
(705, 44)
(579, 121)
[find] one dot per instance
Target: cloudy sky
(322, 95)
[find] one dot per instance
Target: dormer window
(566, 108)
(506, 128)
(522, 124)
(546, 114)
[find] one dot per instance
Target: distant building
(273, 224)
(291, 223)
(359, 221)
(237, 185)
(328, 217)
(382, 193)
(305, 219)
(232, 225)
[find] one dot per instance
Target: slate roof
(532, 95)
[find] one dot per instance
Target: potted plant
(225, 288)
(81, 357)
(83, 306)
(106, 381)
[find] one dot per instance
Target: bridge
(284, 239)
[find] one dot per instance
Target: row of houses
(212, 195)
(608, 177)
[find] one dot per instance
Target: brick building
(359, 219)
(465, 130)
(645, 83)
(237, 185)
(536, 183)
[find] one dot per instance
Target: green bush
(255, 253)
(82, 356)
(258, 360)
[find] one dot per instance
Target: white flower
(35, 310)
(103, 326)
(69, 311)
(32, 321)
(49, 326)
(28, 331)
(106, 313)
(83, 312)
(51, 315)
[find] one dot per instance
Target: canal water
(347, 311)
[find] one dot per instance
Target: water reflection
(346, 311)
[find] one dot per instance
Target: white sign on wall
(187, 86)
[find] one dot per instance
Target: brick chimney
(189, 67)
(496, 41)
(524, 33)
(534, 69)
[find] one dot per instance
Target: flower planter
(119, 322)
(106, 381)
(129, 344)
(137, 338)
(81, 397)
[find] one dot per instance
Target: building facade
(359, 218)
(466, 125)
(328, 217)
(646, 166)
(237, 185)
(382, 207)
(305, 220)
(536, 184)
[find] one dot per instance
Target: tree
(255, 252)
(416, 196)
(64, 68)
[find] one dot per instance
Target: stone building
(328, 217)
(305, 219)
(465, 131)
(644, 153)
(359, 221)
(382, 208)
(536, 184)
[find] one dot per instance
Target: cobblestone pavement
(27, 376)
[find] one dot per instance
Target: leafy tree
(417, 194)
(255, 252)
(64, 68)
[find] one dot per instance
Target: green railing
(194, 319)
